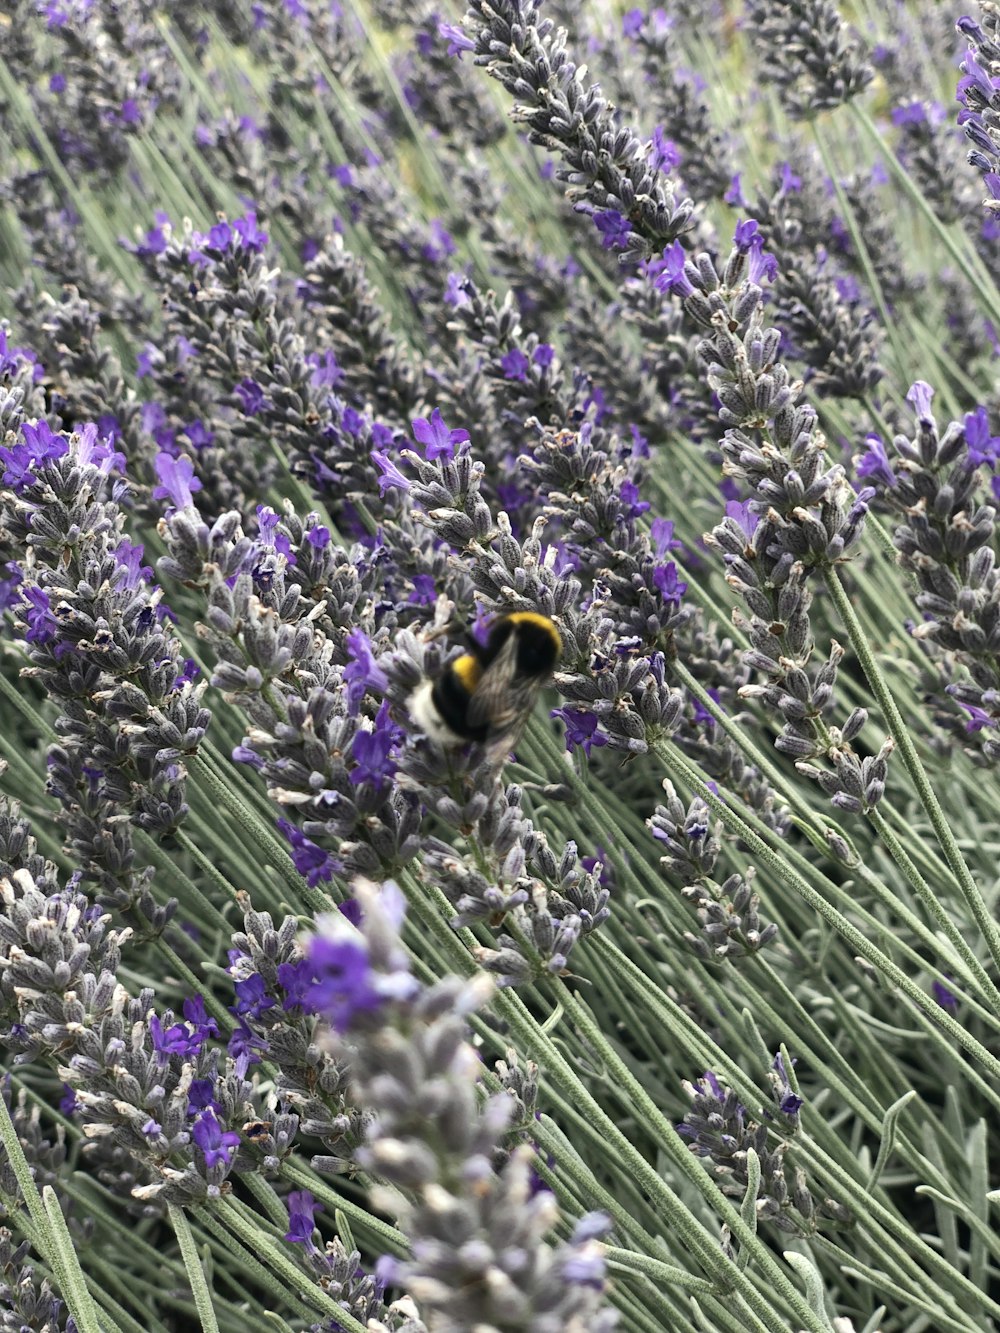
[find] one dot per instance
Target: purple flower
(614, 227)
(390, 474)
(975, 77)
(667, 272)
(640, 447)
(107, 427)
(371, 751)
(790, 182)
(249, 233)
(131, 570)
(95, 452)
(631, 504)
(978, 718)
(919, 397)
(664, 154)
(351, 909)
(661, 534)
(246, 1048)
(184, 349)
(945, 998)
(743, 514)
(326, 374)
(42, 624)
(252, 999)
(219, 236)
(734, 194)
(67, 1102)
(746, 234)
(313, 863)
(982, 447)
(178, 1039)
(543, 355)
(668, 584)
(438, 440)
(440, 244)
(217, 1144)
(581, 729)
(514, 365)
(909, 113)
(334, 980)
(38, 445)
(457, 39)
(632, 22)
(199, 436)
(761, 264)
(177, 480)
(10, 597)
(424, 590)
(455, 293)
(154, 243)
(362, 672)
(701, 713)
(749, 241)
(251, 397)
(10, 357)
(875, 462)
(189, 670)
(197, 1015)
(301, 1209)
(201, 1096)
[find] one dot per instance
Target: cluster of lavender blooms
(62, 998)
(286, 615)
(933, 484)
(801, 517)
(812, 299)
(28, 1302)
(98, 639)
(723, 1132)
(807, 51)
(731, 926)
(605, 164)
(977, 92)
(478, 1256)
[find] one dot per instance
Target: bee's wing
(501, 700)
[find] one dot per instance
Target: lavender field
(500, 666)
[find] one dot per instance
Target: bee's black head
(538, 645)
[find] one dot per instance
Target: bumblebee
(487, 693)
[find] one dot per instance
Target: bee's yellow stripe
(468, 671)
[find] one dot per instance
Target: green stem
(688, 1231)
(911, 761)
(981, 283)
(537, 1044)
(933, 905)
(678, 763)
(196, 1274)
(857, 240)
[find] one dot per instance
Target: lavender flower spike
(605, 162)
(477, 1235)
(806, 49)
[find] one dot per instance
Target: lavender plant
(332, 336)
